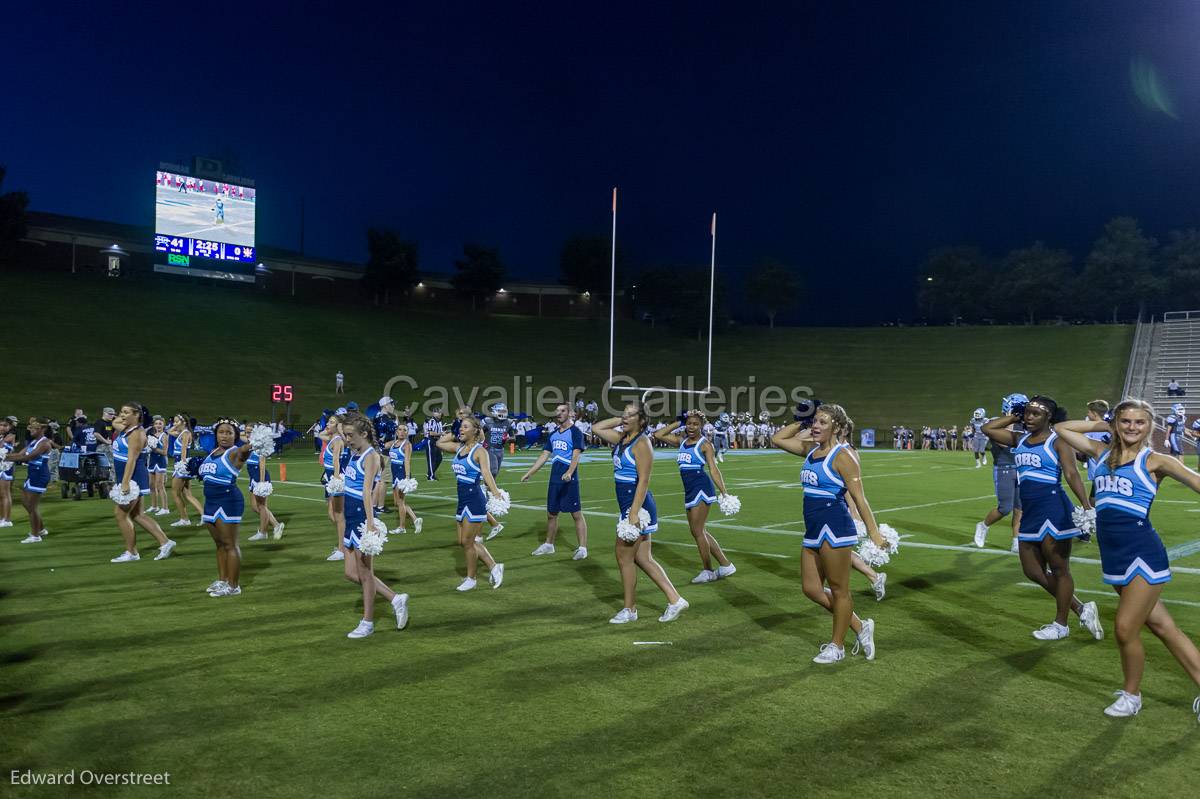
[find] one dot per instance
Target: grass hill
(213, 349)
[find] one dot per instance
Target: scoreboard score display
(281, 392)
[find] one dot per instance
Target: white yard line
(932, 504)
(1113, 595)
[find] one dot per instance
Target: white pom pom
(263, 488)
(407, 485)
(122, 497)
(6, 466)
(729, 504)
(498, 504)
(336, 485)
(151, 442)
(1085, 520)
(872, 554)
(861, 527)
(628, 531)
(890, 537)
(370, 542)
(261, 441)
(181, 470)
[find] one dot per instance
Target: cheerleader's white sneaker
(363, 629)
(543, 549)
(496, 576)
(277, 531)
(466, 585)
(418, 523)
(31, 539)
(1089, 618)
(830, 653)
(126, 557)
(400, 605)
(705, 576)
(259, 536)
(1126, 705)
(880, 586)
(1052, 632)
(726, 571)
(624, 617)
(182, 523)
(337, 554)
(673, 610)
(980, 534)
(580, 554)
(165, 550)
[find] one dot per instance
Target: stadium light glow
(420, 285)
(501, 291)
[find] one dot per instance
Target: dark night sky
(853, 136)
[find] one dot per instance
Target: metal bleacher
(1174, 354)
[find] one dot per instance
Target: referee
(433, 431)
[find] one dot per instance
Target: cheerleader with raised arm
(360, 475)
(699, 491)
(399, 451)
(260, 490)
(156, 446)
(1128, 473)
(36, 457)
(471, 468)
(8, 442)
(1047, 527)
(131, 467)
(333, 460)
(830, 472)
(224, 504)
(633, 460)
(181, 479)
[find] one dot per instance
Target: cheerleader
(1046, 529)
(181, 438)
(470, 468)
(698, 492)
(8, 442)
(256, 470)
(130, 465)
(156, 445)
(399, 451)
(831, 472)
(360, 475)
(633, 459)
(36, 458)
(878, 579)
(333, 460)
(1128, 473)
(223, 505)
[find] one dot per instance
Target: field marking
(931, 504)
(1183, 550)
(783, 524)
(725, 549)
(1114, 595)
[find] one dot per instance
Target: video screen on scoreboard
(203, 218)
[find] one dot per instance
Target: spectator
(104, 436)
(341, 383)
(1174, 389)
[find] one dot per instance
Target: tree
(586, 264)
(953, 283)
(679, 296)
(1035, 279)
(12, 220)
(772, 288)
(1180, 259)
(479, 275)
(391, 264)
(1119, 271)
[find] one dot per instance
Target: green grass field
(214, 350)
(527, 691)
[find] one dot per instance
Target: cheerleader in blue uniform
(333, 459)
(399, 451)
(181, 438)
(633, 459)
(8, 442)
(224, 504)
(131, 465)
(830, 472)
(36, 457)
(257, 472)
(699, 491)
(156, 446)
(1046, 532)
(361, 473)
(1133, 559)
(471, 467)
